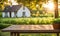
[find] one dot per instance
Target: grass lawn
(4, 33)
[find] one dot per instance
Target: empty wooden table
(15, 30)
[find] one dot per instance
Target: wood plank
(31, 28)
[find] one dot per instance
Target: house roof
(12, 8)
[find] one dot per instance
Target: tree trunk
(56, 9)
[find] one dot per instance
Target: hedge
(56, 21)
(26, 20)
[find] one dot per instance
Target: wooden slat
(30, 27)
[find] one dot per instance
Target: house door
(23, 14)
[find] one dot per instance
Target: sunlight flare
(13, 2)
(49, 5)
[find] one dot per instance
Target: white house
(16, 11)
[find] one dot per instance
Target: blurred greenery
(2, 25)
(56, 21)
(47, 20)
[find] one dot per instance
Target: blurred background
(38, 8)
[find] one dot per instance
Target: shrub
(26, 20)
(4, 25)
(57, 21)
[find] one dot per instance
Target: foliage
(26, 20)
(4, 25)
(57, 20)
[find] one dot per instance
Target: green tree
(2, 2)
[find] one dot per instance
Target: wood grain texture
(31, 29)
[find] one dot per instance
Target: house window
(6, 14)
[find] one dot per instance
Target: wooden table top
(31, 28)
